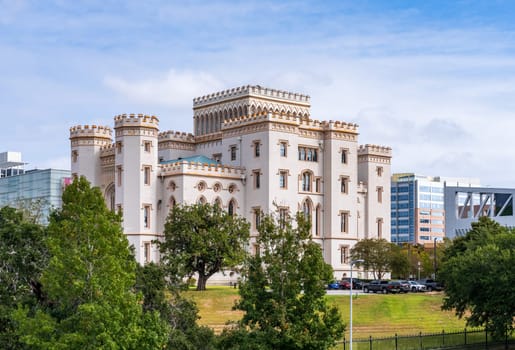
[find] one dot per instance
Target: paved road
(344, 292)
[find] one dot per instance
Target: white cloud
(174, 88)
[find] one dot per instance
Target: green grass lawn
(375, 315)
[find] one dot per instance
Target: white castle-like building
(253, 150)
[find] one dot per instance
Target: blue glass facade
(403, 211)
(34, 185)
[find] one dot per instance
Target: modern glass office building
(20, 188)
(417, 204)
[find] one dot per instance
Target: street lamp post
(351, 283)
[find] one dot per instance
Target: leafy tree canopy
(23, 255)
(376, 255)
(479, 276)
(88, 283)
(202, 239)
(282, 293)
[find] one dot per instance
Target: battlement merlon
(107, 150)
(133, 120)
(368, 149)
(252, 91)
(91, 131)
(202, 169)
(176, 136)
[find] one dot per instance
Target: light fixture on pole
(351, 283)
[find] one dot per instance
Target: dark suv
(431, 284)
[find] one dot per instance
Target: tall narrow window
(257, 179)
(318, 185)
(344, 184)
(147, 145)
(146, 216)
(379, 228)
(75, 155)
(344, 222)
(283, 216)
(380, 194)
(344, 257)
(318, 220)
(257, 218)
(231, 208)
(283, 179)
(257, 149)
(119, 172)
(146, 175)
(233, 152)
(283, 149)
(345, 156)
(306, 181)
(119, 147)
(306, 210)
(147, 252)
(379, 171)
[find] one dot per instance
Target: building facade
(22, 188)
(418, 207)
(253, 150)
(465, 205)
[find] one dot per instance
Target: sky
(434, 80)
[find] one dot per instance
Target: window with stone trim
(147, 146)
(75, 155)
(146, 216)
(283, 178)
(233, 150)
(147, 251)
(379, 228)
(306, 178)
(379, 194)
(344, 156)
(257, 178)
(283, 148)
(257, 149)
(344, 254)
(344, 221)
(344, 184)
(379, 171)
(146, 174)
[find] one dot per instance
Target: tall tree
(23, 255)
(478, 272)
(399, 263)
(282, 293)
(202, 239)
(179, 313)
(376, 255)
(89, 283)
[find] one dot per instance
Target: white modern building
(253, 149)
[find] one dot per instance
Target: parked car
(405, 286)
(333, 285)
(431, 284)
(356, 283)
(416, 287)
(380, 286)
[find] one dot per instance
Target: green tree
(88, 283)
(179, 313)
(202, 239)
(478, 272)
(376, 255)
(399, 263)
(23, 255)
(282, 293)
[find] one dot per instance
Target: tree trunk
(201, 283)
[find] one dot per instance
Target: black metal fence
(464, 339)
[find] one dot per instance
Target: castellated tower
(86, 144)
(136, 184)
(374, 171)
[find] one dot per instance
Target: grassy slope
(376, 315)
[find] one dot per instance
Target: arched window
(202, 200)
(172, 202)
(306, 181)
(201, 186)
(110, 197)
(172, 186)
(218, 202)
(306, 209)
(231, 208)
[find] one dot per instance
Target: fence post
(443, 337)
(396, 341)
(420, 340)
(343, 342)
(486, 337)
(465, 333)
(370, 341)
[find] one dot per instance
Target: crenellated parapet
(250, 90)
(90, 135)
(176, 136)
(339, 126)
(202, 169)
(136, 125)
(107, 151)
(374, 153)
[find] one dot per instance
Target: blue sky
(435, 80)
